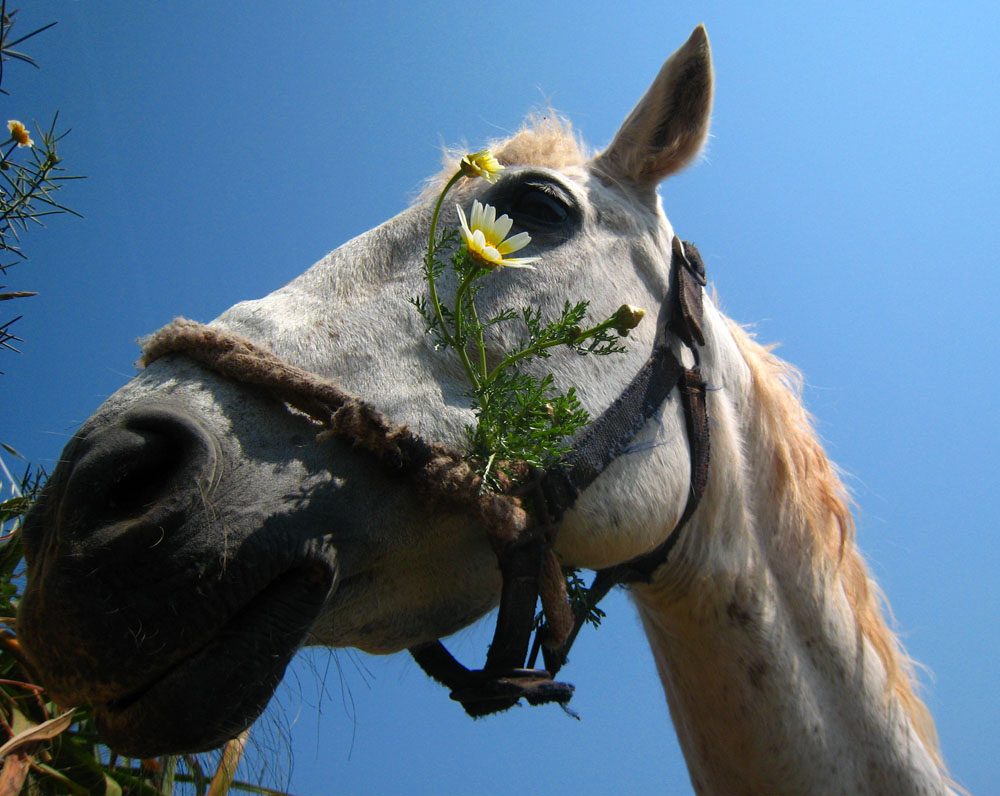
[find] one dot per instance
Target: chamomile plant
(519, 416)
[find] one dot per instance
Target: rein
(522, 540)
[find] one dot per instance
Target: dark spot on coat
(737, 613)
(756, 672)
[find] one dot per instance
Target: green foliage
(523, 418)
(576, 590)
(519, 416)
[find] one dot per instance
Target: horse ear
(668, 127)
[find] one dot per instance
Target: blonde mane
(544, 139)
(813, 497)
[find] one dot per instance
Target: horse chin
(211, 696)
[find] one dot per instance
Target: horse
(200, 529)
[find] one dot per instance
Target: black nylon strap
(608, 436)
(688, 282)
(641, 568)
(520, 565)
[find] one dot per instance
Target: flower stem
(480, 343)
(435, 301)
(475, 377)
(544, 344)
(488, 467)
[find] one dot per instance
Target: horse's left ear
(668, 127)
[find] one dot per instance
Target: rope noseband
(523, 540)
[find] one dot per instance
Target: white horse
(197, 531)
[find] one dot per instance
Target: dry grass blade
(13, 774)
(226, 772)
(40, 732)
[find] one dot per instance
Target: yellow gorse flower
(19, 133)
(484, 235)
(481, 164)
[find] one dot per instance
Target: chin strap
(527, 563)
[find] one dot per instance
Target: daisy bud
(481, 164)
(627, 318)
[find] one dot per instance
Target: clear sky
(846, 206)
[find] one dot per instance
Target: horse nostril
(149, 457)
(139, 482)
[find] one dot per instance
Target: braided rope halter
(523, 540)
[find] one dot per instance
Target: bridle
(523, 540)
(503, 681)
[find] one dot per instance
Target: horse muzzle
(174, 618)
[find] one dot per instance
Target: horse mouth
(211, 695)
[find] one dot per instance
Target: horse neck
(780, 673)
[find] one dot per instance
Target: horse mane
(813, 497)
(544, 139)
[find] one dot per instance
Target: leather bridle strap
(502, 682)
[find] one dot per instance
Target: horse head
(209, 519)
(198, 531)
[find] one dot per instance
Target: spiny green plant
(30, 176)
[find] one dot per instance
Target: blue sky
(846, 207)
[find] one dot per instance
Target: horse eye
(536, 207)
